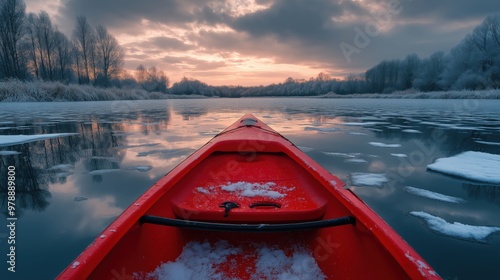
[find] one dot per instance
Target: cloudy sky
(254, 42)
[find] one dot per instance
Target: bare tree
(63, 51)
(82, 40)
(109, 55)
(12, 13)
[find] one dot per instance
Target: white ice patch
(254, 189)
(383, 145)
(344, 155)
(457, 230)
(355, 160)
(202, 190)
(488, 143)
(9, 140)
(434, 195)
(476, 166)
(399, 155)
(75, 264)
(201, 260)
(369, 179)
(411, 131)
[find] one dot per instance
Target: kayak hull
(272, 183)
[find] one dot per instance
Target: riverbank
(454, 94)
(38, 91)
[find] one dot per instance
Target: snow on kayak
(201, 260)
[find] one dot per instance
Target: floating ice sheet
(9, 140)
(476, 166)
(384, 145)
(369, 179)
(457, 230)
(434, 195)
(488, 143)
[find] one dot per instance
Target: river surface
(70, 187)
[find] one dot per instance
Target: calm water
(70, 188)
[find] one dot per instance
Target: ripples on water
(70, 188)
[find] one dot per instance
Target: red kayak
(249, 205)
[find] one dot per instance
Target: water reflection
(70, 188)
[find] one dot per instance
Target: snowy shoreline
(39, 91)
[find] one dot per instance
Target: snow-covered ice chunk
(254, 189)
(355, 160)
(411, 131)
(369, 179)
(9, 140)
(356, 133)
(344, 155)
(457, 230)
(476, 166)
(434, 195)
(383, 145)
(399, 155)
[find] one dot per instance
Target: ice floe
(202, 260)
(411, 131)
(434, 195)
(384, 145)
(476, 166)
(9, 140)
(456, 229)
(305, 149)
(355, 160)
(369, 179)
(399, 155)
(79, 198)
(344, 155)
(488, 143)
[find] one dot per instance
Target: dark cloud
(288, 32)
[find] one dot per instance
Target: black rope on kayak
(148, 219)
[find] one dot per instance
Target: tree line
(472, 64)
(31, 47)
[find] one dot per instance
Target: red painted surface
(371, 249)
